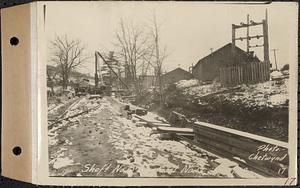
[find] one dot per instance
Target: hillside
(259, 108)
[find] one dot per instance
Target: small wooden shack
(207, 68)
(175, 76)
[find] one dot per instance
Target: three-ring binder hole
(17, 150)
(14, 41)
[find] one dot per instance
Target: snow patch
(187, 83)
(62, 162)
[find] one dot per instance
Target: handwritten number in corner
(289, 181)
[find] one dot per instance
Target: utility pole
(248, 34)
(266, 38)
(96, 71)
(264, 35)
(274, 51)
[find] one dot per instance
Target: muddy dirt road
(101, 141)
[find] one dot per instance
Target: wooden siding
(249, 73)
(175, 76)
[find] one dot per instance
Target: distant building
(147, 81)
(175, 76)
(207, 68)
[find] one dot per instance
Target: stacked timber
(151, 123)
(178, 131)
(267, 156)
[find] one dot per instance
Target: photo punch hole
(17, 150)
(14, 41)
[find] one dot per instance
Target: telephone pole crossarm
(246, 25)
(256, 46)
(250, 37)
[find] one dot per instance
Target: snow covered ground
(267, 94)
(103, 142)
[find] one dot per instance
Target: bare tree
(133, 45)
(159, 56)
(68, 54)
(140, 51)
(51, 74)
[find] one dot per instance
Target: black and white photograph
(168, 89)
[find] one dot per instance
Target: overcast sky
(188, 29)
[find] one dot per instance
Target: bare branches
(138, 48)
(67, 54)
(159, 55)
(132, 44)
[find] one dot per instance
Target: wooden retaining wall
(250, 148)
(250, 73)
(238, 146)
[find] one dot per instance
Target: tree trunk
(65, 80)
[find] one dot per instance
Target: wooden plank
(225, 75)
(143, 119)
(244, 134)
(253, 76)
(222, 72)
(257, 73)
(186, 134)
(263, 71)
(246, 73)
(228, 75)
(178, 114)
(222, 148)
(220, 75)
(242, 74)
(209, 146)
(175, 129)
(260, 70)
(239, 74)
(243, 143)
(234, 75)
(256, 80)
(160, 124)
(253, 71)
(266, 72)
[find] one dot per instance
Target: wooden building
(175, 76)
(207, 68)
(147, 81)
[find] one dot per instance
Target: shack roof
(175, 71)
(229, 45)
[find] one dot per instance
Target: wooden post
(266, 39)
(96, 71)
(233, 43)
(248, 42)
